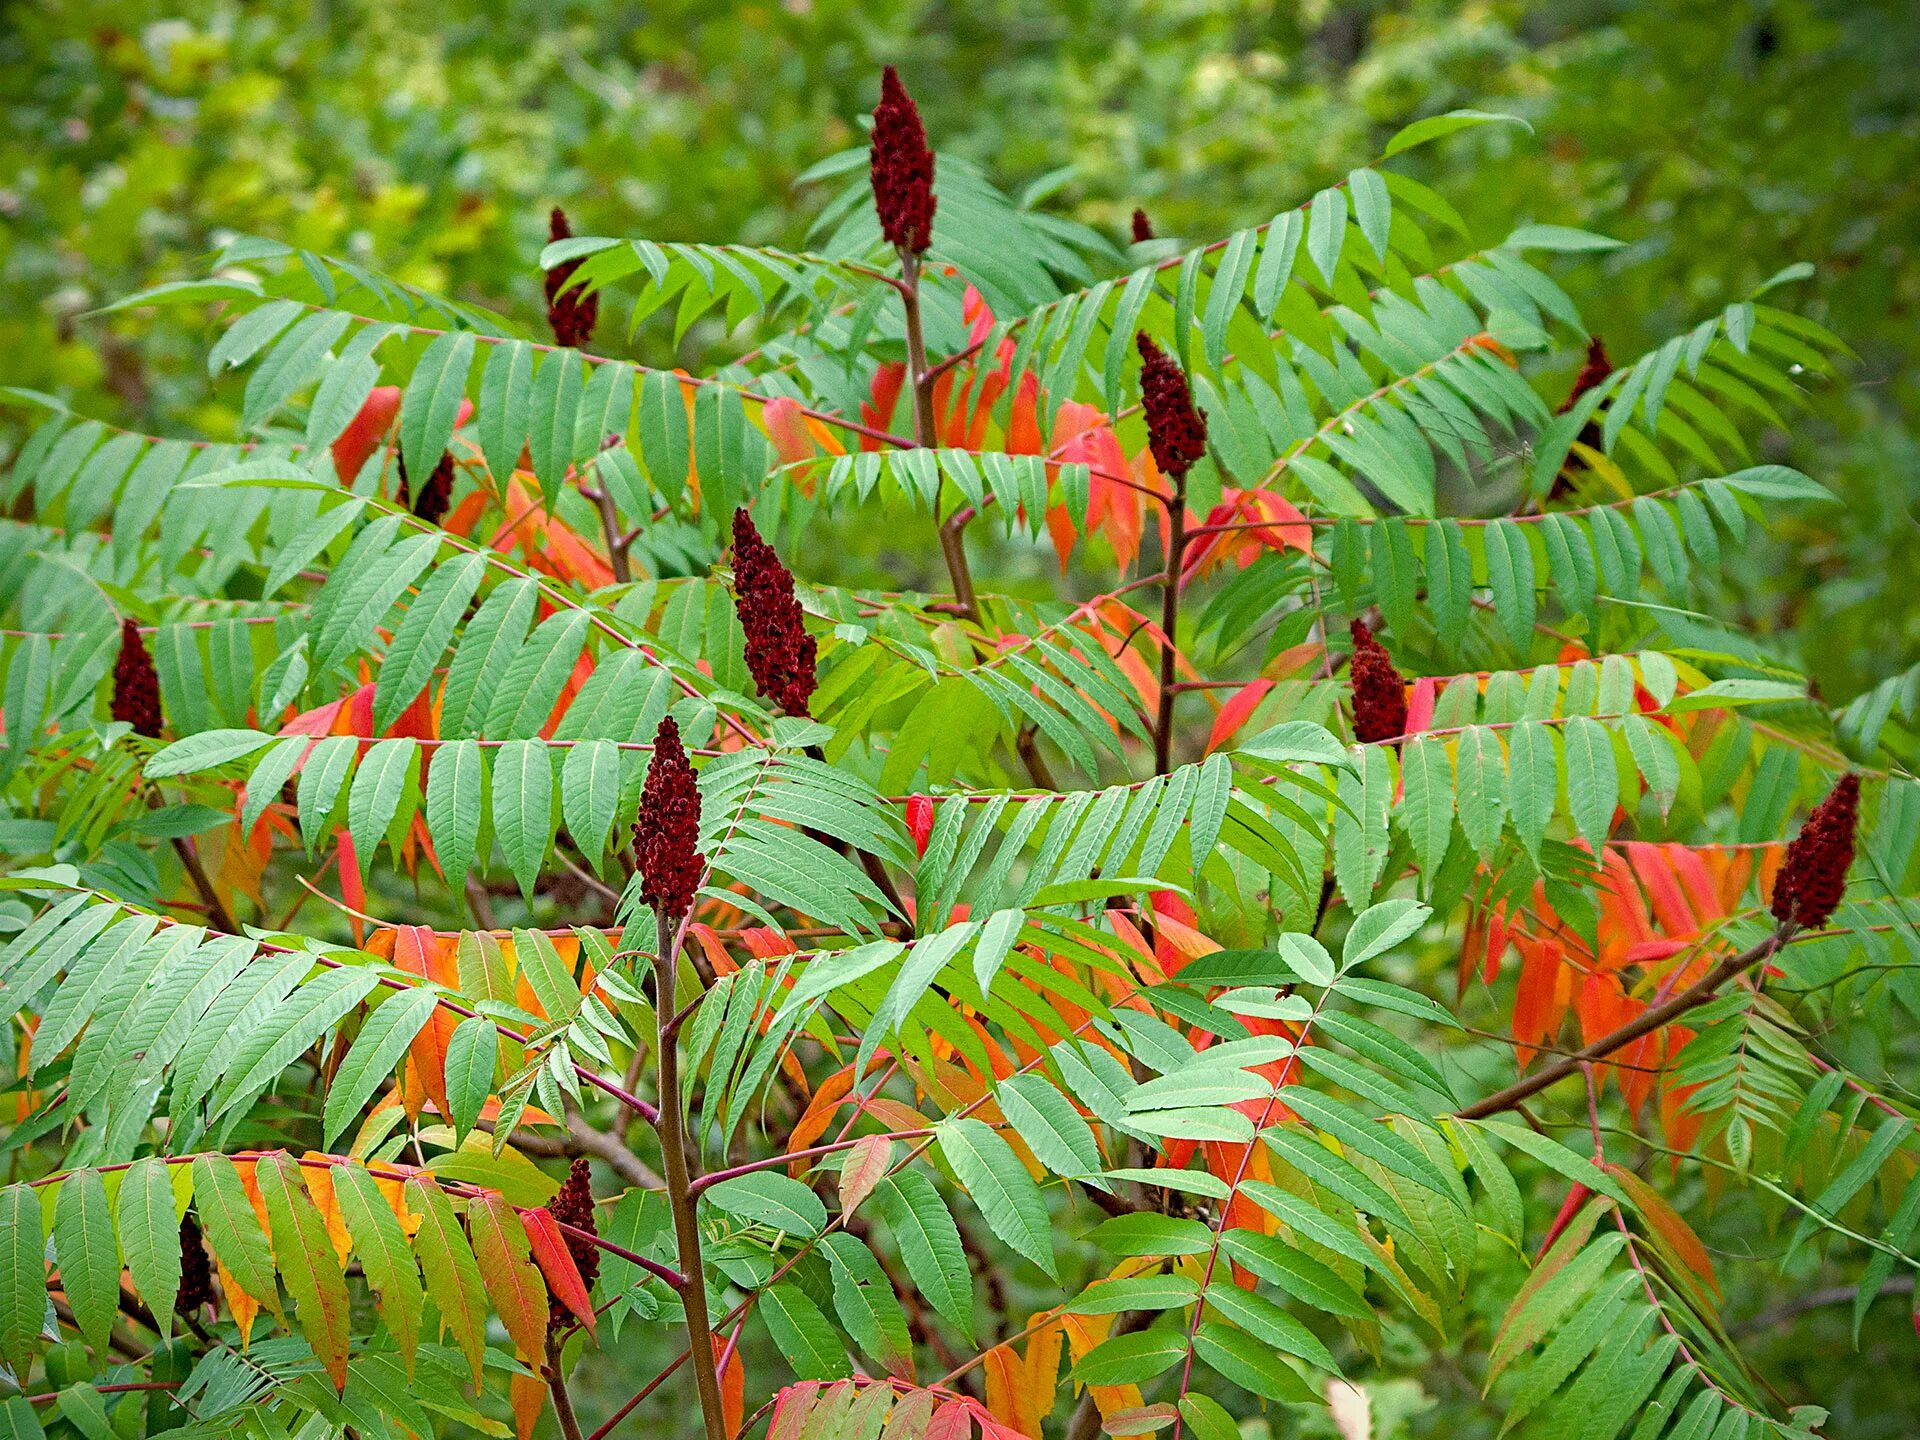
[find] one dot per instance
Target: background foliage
(1723, 143)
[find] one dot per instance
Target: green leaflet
(1131, 1359)
(423, 635)
(801, 1334)
(453, 1277)
(767, 1197)
(1481, 790)
(472, 1055)
(866, 1304)
(590, 784)
(384, 1253)
(149, 1227)
(373, 798)
(929, 1243)
(523, 807)
(999, 1184)
(306, 1261)
(506, 390)
(231, 1227)
(376, 1051)
(432, 401)
(453, 806)
(1049, 1125)
(23, 1289)
(88, 1254)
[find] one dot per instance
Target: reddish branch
(1177, 435)
(1645, 1023)
(667, 841)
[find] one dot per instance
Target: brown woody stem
(920, 380)
(676, 1162)
(217, 912)
(557, 1386)
(1648, 1020)
(617, 543)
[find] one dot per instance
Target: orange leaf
(319, 1180)
(733, 1385)
(414, 951)
(363, 432)
(528, 1396)
(242, 1306)
(819, 1114)
(1666, 1222)
(352, 889)
(1007, 1396)
(513, 1284)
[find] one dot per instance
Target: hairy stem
(1169, 618)
(1649, 1020)
(676, 1161)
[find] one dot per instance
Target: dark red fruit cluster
(902, 168)
(136, 685)
(1813, 877)
(666, 837)
(1142, 226)
(1597, 368)
(1379, 694)
(780, 652)
(1176, 431)
(437, 495)
(196, 1275)
(573, 1205)
(573, 314)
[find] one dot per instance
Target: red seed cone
(196, 1275)
(573, 1205)
(666, 837)
(573, 314)
(1813, 877)
(136, 685)
(1597, 368)
(1142, 226)
(780, 652)
(1379, 693)
(901, 168)
(437, 494)
(1176, 431)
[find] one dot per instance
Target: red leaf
(919, 821)
(363, 432)
(556, 1263)
(1236, 711)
